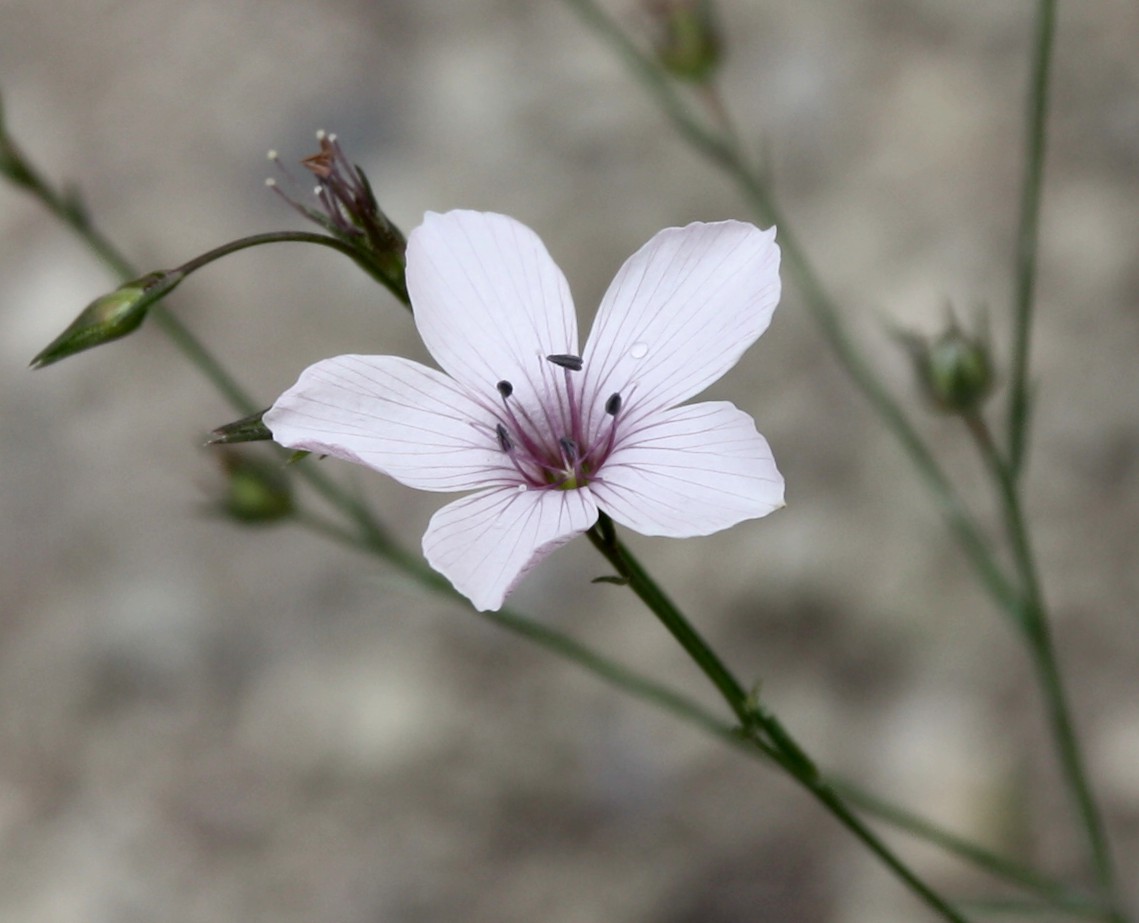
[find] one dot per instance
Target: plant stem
(257, 240)
(1012, 872)
(757, 726)
(1034, 624)
(1027, 236)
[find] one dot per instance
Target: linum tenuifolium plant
(545, 439)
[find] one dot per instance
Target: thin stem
(1027, 236)
(1030, 879)
(757, 725)
(1035, 909)
(1034, 623)
(202, 359)
(257, 240)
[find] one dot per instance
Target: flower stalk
(757, 726)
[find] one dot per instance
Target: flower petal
(692, 470)
(490, 303)
(680, 313)
(487, 542)
(397, 416)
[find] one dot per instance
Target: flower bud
(688, 43)
(110, 317)
(955, 369)
(256, 492)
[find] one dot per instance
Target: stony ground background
(200, 723)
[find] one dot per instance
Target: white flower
(544, 434)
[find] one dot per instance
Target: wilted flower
(349, 210)
(547, 435)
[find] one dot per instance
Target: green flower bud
(110, 317)
(247, 429)
(256, 492)
(688, 43)
(955, 369)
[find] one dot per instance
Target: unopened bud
(256, 492)
(955, 369)
(688, 43)
(110, 317)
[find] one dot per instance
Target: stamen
(504, 439)
(613, 405)
(569, 447)
(573, 363)
(505, 388)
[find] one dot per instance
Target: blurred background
(201, 722)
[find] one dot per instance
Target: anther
(573, 363)
(613, 405)
(505, 388)
(504, 439)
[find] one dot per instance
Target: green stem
(257, 240)
(757, 726)
(1035, 626)
(1030, 879)
(1027, 236)
(1036, 910)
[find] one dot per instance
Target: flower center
(554, 445)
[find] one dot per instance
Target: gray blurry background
(203, 723)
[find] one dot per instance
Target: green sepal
(247, 429)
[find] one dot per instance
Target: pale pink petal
(692, 470)
(487, 542)
(402, 418)
(680, 313)
(489, 301)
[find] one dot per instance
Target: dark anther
(613, 405)
(569, 447)
(505, 388)
(504, 438)
(573, 363)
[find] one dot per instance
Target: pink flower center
(551, 448)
